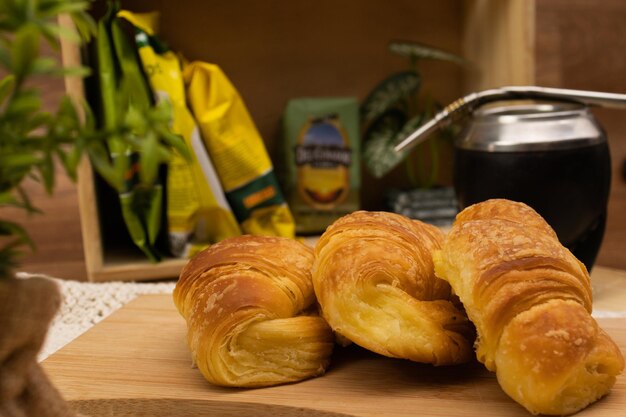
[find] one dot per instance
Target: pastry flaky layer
(530, 300)
(247, 302)
(375, 283)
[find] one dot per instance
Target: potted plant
(31, 140)
(393, 110)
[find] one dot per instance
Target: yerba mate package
(321, 163)
(238, 152)
(197, 210)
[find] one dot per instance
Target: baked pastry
(530, 300)
(374, 280)
(247, 304)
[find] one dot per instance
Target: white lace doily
(85, 304)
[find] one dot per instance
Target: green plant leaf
(8, 199)
(6, 87)
(388, 92)
(39, 120)
(90, 118)
(175, 141)
(66, 109)
(8, 228)
(55, 32)
(161, 113)
(377, 142)
(43, 66)
(52, 8)
(99, 158)
(26, 202)
(70, 160)
(149, 162)
(133, 83)
(24, 50)
(47, 172)
(379, 154)
(48, 66)
(165, 153)
(409, 127)
(85, 25)
(135, 120)
(81, 72)
(11, 177)
(418, 50)
(107, 77)
(19, 160)
(5, 60)
(122, 165)
(23, 103)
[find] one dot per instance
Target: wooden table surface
(136, 362)
(609, 289)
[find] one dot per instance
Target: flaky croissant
(245, 301)
(374, 280)
(530, 300)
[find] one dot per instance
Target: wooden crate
(279, 49)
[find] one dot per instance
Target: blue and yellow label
(323, 158)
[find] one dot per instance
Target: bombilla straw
(466, 105)
(590, 98)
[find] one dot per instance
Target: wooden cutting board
(136, 363)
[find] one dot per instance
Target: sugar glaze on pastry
(247, 302)
(530, 300)
(375, 283)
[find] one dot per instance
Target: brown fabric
(26, 309)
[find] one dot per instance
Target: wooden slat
(499, 39)
(90, 227)
(138, 270)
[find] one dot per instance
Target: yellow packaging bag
(197, 209)
(236, 147)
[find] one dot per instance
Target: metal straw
(466, 105)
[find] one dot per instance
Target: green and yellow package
(197, 209)
(239, 154)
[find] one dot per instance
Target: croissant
(530, 300)
(245, 300)
(374, 281)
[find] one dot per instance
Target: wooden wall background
(582, 45)
(339, 48)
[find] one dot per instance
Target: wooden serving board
(136, 363)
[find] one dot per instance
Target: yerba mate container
(321, 160)
(552, 156)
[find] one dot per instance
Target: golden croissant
(530, 300)
(374, 280)
(246, 301)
